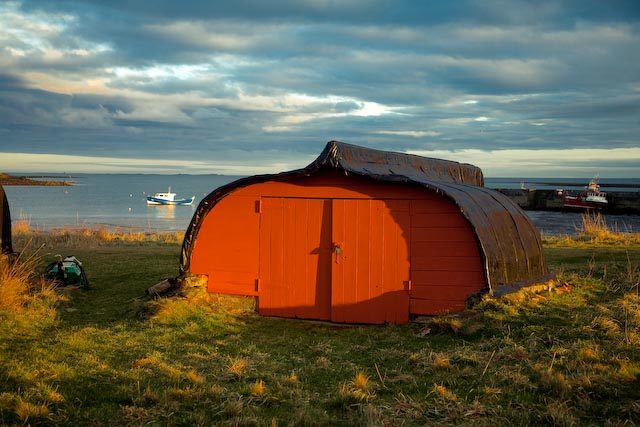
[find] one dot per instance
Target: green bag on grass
(67, 271)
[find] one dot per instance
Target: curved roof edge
(509, 242)
(353, 158)
(5, 224)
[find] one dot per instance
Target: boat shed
(362, 236)
(5, 224)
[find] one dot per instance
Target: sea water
(111, 200)
(119, 201)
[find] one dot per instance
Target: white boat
(168, 198)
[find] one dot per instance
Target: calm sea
(111, 200)
(118, 200)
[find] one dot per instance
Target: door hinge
(408, 282)
(257, 284)
(258, 206)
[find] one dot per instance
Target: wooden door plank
(370, 278)
(294, 258)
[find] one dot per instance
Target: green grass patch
(108, 356)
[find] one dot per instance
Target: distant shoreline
(6, 179)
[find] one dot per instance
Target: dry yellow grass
(292, 378)
(26, 411)
(87, 237)
(444, 393)
(594, 228)
(148, 361)
(594, 225)
(21, 226)
(258, 389)
(361, 382)
(14, 284)
(441, 362)
(588, 353)
(237, 366)
(195, 377)
(357, 390)
(21, 290)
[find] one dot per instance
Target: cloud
(248, 79)
(411, 133)
(60, 163)
(614, 163)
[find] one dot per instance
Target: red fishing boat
(590, 198)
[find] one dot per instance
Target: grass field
(108, 356)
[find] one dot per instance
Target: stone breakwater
(620, 202)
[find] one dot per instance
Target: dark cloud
(356, 11)
(197, 80)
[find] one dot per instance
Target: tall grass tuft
(14, 284)
(595, 225)
(27, 302)
(594, 228)
(237, 366)
(19, 286)
(258, 389)
(360, 389)
(22, 225)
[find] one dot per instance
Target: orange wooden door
(295, 258)
(370, 261)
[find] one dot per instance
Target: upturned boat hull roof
(510, 244)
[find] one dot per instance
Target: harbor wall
(620, 202)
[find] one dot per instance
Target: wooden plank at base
(232, 282)
(233, 289)
(433, 307)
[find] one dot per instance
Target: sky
(519, 88)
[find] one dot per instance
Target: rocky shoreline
(6, 179)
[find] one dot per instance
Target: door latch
(337, 249)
